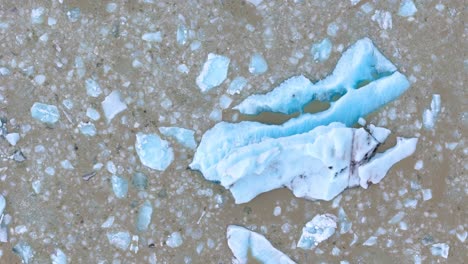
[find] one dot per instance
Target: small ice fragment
(258, 64)
(185, 137)
(407, 8)
(427, 194)
(74, 14)
(174, 240)
(108, 223)
(440, 249)
(319, 229)
(93, 88)
(18, 156)
(361, 121)
(370, 241)
(440, 7)
(195, 45)
(383, 19)
(59, 257)
(255, 2)
(345, 224)
(2, 204)
(152, 37)
(397, 218)
(462, 236)
(216, 115)
(111, 7)
(321, 51)
(80, 67)
(354, 2)
(144, 216)
(39, 79)
(153, 152)
(140, 181)
(120, 240)
(66, 164)
(93, 114)
(419, 165)
(45, 113)
(332, 29)
(430, 115)
(236, 85)
(24, 251)
(181, 35)
(51, 21)
(213, 73)
(36, 186)
(119, 186)
(183, 68)
(277, 211)
(12, 138)
(225, 101)
(246, 244)
(68, 103)
(87, 129)
(37, 15)
(113, 105)
(4, 71)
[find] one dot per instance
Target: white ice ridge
(361, 65)
(245, 243)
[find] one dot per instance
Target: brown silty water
(68, 212)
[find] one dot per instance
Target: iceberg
(113, 105)
(153, 152)
(152, 36)
(213, 73)
(245, 243)
(144, 216)
(185, 137)
(24, 251)
(45, 113)
(319, 229)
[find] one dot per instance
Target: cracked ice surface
(319, 229)
(243, 242)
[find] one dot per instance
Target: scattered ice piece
(236, 85)
(185, 137)
(440, 7)
(36, 186)
(74, 14)
(174, 240)
(87, 129)
(51, 21)
(68, 103)
(244, 243)
(195, 45)
(2, 204)
(66, 164)
(108, 223)
(37, 15)
(113, 105)
(4, 71)
(224, 101)
(319, 229)
(440, 250)
(255, 2)
(182, 34)
(144, 216)
(321, 51)
(152, 37)
(183, 68)
(213, 73)
(45, 113)
(119, 186)
(12, 138)
(59, 257)
(258, 64)
(216, 115)
(345, 224)
(462, 236)
(111, 168)
(397, 218)
(93, 88)
(120, 240)
(153, 152)
(430, 115)
(332, 29)
(361, 121)
(427, 194)
(140, 181)
(111, 7)
(407, 8)
(18, 156)
(277, 211)
(24, 251)
(93, 114)
(383, 19)
(39, 79)
(419, 165)
(80, 67)
(370, 241)
(354, 2)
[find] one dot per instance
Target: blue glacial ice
(321, 51)
(407, 8)
(113, 105)
(144, 216)
(258, 64)
(45, 113)
(361, 72)
(24, 251)
(319, 229)
(119, 240)
(213, 73)
(119, 186)
(87, 129)
(244, 242)
(185, 137)
(236, 85)
(93, 88)
(59, 257)
(153, 152)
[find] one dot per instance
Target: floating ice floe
(113, 105)
(182, 35)
(45, 113)
(24, 251)
(184, 136)
(87, 129)
(153, 151)
(319, 229)
(37, 15)
(59, 257)
(440, 249)
(407, 8)
(93, 114)
(213, 73)
(321, 51)
(12, 138)
(430, 115)
(258, 64)
(119, 186)
(120, 240)
(174, 240)
(152, 37)
(245, 243)
(93, 88)
(144, 216)
(383, 19)
(236, 85)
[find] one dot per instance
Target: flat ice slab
(153, 151)
(319, 229)
(45, 113)
(244, 243)
(213, 73)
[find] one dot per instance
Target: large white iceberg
(245, 243)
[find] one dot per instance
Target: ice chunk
(120, 240)
(93, 88)
(440, 249)
(255, 2)
(182, 34)
(430, 115)
(244, 243)
(258, 64)
(319, 229)
(2, 204)
(332, 29)
(39, 79)
(37, 15)
(225, 101)
(36, 186)
(12, 138)
(174, 240)
(152, 37)
(119, 186)
(68, 103)
(108, 223)
(383, 19)
(361, 72)
(236, 85)
(321, 51)
(45, 113)
(87, 129)
(213, 73)
(153, 152)
(74, 14)
(185, 137)
(427, 194)
(93, 114)
(345, 224)
(113, 105)
(24, 251)
(140, 181)
(407, 8)
(144, 216)
(59, 257)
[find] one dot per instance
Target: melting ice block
(213, 73)
(184, 136)
(319, 229)
(113, 105)
(244, 242)
(153, 151)
(45, 113)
